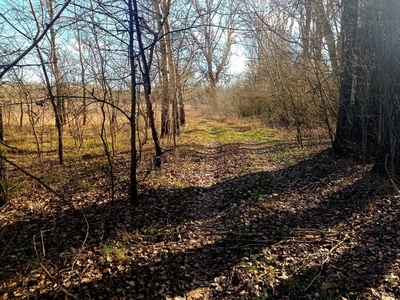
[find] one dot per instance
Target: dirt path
(269, 230)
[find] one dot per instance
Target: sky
(238, 60)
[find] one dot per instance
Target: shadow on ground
(320, 229)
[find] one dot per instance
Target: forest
(200, 149)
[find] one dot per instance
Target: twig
(248, 245)
(325, 260)
(46, 186)
(35, 248)
(31, 175)
(83, 243)
(60, 287)
(42, 240)
(169, 215)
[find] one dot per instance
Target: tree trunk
(59, 95)
(368, 117)
(172, 74)
(59, 125)
(386, 14)
(181, 104)
(347, 125)
(165, 72)
(147, 89)
(82, 65)
(3, 184)
(1, 125)
(305, 29)
(21, 116)
(133, 181)
(3, 178)
(326, 28)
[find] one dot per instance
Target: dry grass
(84, 150)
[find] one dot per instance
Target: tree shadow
(250, 236)
(368, 265)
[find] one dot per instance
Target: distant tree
(54, 88)
(217, 23)
(293, 74)
(162, 12)
(8, 65)
(83, 80)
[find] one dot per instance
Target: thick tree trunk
(387, 36)
(348, 127)
(369, 117)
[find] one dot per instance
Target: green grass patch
(210, 130)
(114, 251)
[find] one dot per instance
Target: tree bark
(162, 17)
(386, 14)
(59, 95)
(133, 182)
(345, 129)
(328, 34)
(147, 88)
(3, 184)
(369, 117)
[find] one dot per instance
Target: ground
(235, 212)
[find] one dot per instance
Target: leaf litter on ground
(248, 219)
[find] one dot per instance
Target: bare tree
(162, 11)
(82, 66)
(215, 37)
(292, 78)
(6, 67)
(53, 97)
(133, 20)
(146, 58)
